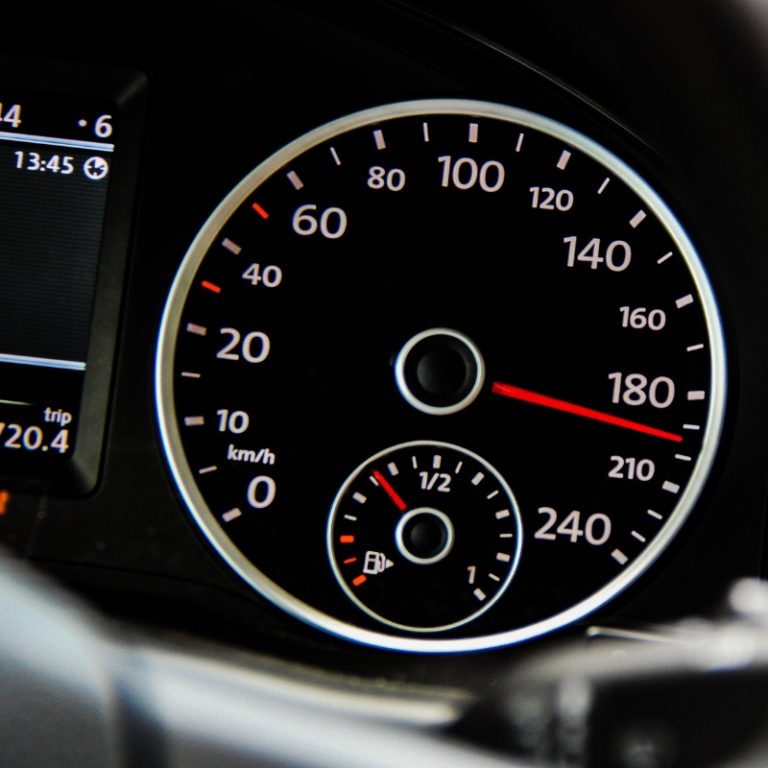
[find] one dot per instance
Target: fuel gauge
(424, 536)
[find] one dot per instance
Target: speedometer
(441, 375)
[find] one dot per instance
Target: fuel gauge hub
(424, 536)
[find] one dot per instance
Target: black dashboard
(672, 91)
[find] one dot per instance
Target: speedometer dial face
(441, 375)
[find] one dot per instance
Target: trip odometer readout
(440, 376)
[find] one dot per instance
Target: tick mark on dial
(233, 514)
(296, 182)
(231, 246)
(256, 207)
(619, 557)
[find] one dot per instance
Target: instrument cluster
(327, 328)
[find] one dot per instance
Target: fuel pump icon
(376, 562)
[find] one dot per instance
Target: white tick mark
(565, 156)
(231, 247)
(293, 177)
(619, 557)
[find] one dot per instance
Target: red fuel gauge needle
(390, 491)
(516, 393)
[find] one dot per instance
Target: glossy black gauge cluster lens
(441, 375)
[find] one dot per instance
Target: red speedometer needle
(391, 492)
(516, 393)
